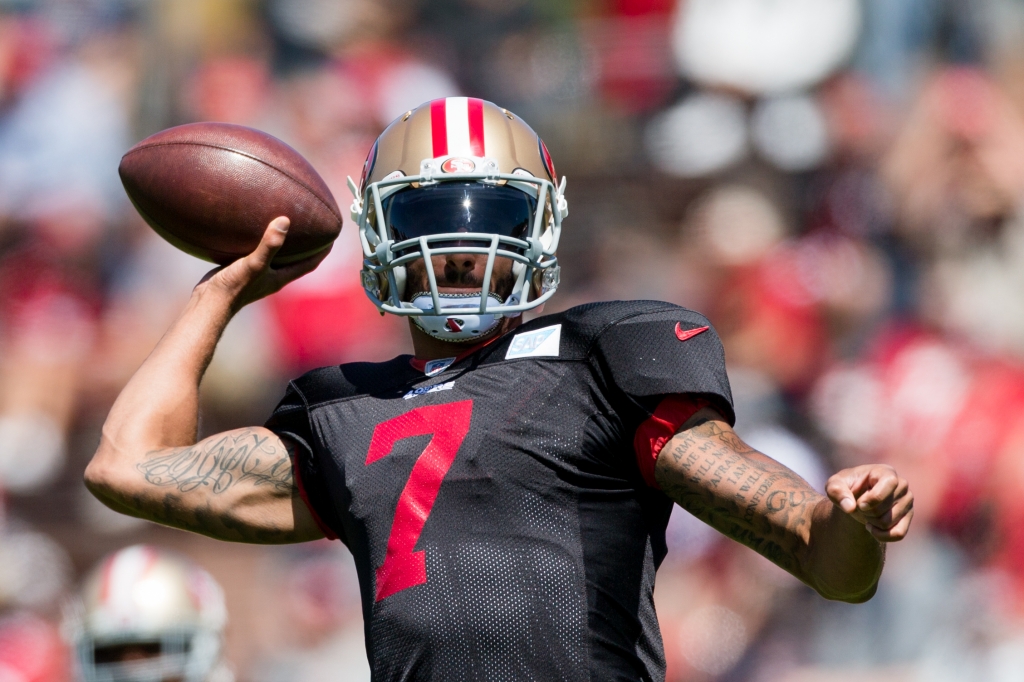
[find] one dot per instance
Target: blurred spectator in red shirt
(31, 650)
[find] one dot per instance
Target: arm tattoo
(748, 497)
(218, 465)
(222, 471)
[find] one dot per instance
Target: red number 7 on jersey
(447, 425)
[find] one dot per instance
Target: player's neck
(426, 347)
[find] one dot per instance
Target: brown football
(211, 189)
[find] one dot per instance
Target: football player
(505, 491)
(148, 615)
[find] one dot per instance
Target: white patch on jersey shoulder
(539, 343)
(437, 366)
(416, 392)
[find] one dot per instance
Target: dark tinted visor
(459, 207)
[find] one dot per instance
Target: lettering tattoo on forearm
(724, 482)
(239, 457)
(240, 462)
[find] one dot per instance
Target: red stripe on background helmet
(439, 127)
(476, 125)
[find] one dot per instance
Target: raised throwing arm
(236, 485)
(834, 543)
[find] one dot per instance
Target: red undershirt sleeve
(652, 435)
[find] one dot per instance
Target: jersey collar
(432, 367)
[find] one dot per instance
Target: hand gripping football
(211, 189)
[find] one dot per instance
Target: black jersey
(501, 526)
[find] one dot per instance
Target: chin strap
(471, 326)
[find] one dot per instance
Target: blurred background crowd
(837, 184)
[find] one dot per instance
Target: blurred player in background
(318, 636)
(148, 615)
(505, 492)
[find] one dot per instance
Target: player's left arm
(833, 543)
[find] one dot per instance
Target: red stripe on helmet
(476, 125)
(108, 568)
(439, 127)
(151, 559)
(548, 163)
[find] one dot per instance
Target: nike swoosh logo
(684, 334)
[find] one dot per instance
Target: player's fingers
(900, 508)
(270, 244)
(292, 271)
(884, 505)
(894, 534)
(884, 483)
(875, 508)
(838, 490)
(844, 487)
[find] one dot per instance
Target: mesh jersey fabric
(499, 520)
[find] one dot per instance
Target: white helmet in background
(149, 615)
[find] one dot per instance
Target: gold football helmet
(148, 615)
(458, 175)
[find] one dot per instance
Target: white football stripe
(128, 568)
(456, 113)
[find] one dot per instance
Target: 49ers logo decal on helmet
(458, 164)
(457, 126)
